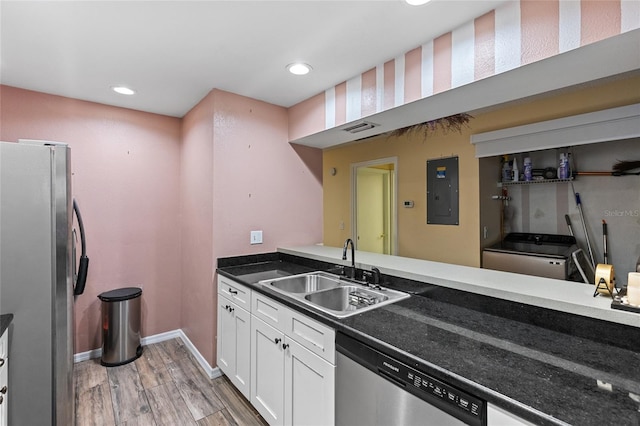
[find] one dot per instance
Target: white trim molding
(212, 372)
(600, 126)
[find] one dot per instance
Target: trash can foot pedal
(139, 351)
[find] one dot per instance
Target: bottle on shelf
(528, 169)
(515, 170)
(563, 166)
(506, 169)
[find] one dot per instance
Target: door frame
(393, 201)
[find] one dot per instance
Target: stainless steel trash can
(120, 326)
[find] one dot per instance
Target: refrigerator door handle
(83, 267)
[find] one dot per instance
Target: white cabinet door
(267, 371)
(309, 387)
(242, 376)
(226, 338)
(234, 341)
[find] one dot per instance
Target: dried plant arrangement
(445, 124)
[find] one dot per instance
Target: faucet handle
(337, 269)
(376, 275)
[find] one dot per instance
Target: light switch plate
(256, 237)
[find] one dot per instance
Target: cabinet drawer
(237, 293)
(311, 334)
(4, 344)
(269, 311)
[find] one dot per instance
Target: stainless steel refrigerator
(37, 278)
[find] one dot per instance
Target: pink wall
(239, 174)
(162, 198)
(260, 180)
(196, 201)
(126, 170)
(512, 35)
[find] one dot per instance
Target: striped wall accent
(515, 34)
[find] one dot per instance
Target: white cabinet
(280, 359)
(316, 337)
(267, 371)
(292, 366)
(235, 292)
(309, 391)
(234, 334)
(4, 379)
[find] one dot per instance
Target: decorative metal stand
(602, 284)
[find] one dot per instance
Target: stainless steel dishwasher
(373, 388)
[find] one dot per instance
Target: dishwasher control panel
(434, 391)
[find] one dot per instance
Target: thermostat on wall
(408, 204)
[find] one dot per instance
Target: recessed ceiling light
(417, 2)
(123, 90)
(299, 68)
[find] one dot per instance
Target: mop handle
(566, 217)
(604, 241)
(584, 227)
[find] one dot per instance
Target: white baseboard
(211, 372)
(85, 356)
(157, 338)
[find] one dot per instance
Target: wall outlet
(256, 237)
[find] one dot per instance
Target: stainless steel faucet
(352, 274)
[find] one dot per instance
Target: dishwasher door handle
(391, 378)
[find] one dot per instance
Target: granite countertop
(5, 320)
(544, 366)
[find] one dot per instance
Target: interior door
(370, 194)
(373, 187)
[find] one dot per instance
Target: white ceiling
(174, 52)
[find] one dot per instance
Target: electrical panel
(442, 191)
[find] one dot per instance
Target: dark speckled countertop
(5, 320)
(545, 366)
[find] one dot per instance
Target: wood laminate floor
(165, 386)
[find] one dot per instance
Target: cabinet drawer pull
(285, 346)
(278, 340)
(3, 390)
(232, 291)
(1, 362)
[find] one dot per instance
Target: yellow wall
(446, 243)
(415, 237)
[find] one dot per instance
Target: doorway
(374, 188)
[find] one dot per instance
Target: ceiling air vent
(359, 127)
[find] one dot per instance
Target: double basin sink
(333, 294)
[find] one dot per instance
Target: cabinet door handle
(232, 291)
(285, 346)
(278, 340)
(1, 399)
(231, 309)
(3, 390)
(1, 362)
